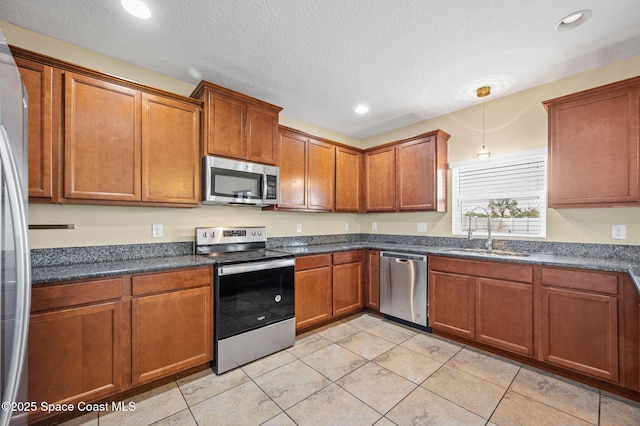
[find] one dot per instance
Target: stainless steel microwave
(235, 182)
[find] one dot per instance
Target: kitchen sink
(486, 253)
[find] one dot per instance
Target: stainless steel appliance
(15, 272)
(403, 287)
(234, 182)
(253, 295)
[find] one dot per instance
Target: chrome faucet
(489, 243)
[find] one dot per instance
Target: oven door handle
(252, 267)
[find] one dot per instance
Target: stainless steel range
(253, 295)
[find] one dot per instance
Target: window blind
(513, 191)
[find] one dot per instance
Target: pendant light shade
(483, 92)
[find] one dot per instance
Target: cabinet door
(75, 354)
(170, 151)
(593, 149)
(348, 180)
(321, 175)
(372, 288)
(293, 171)
(579, 331)
(262, 134)
(170, 332)
(504, 315)
(313, 297)
(380, 172)
(415, 166)
(102, 140)
(226, 126)
(451, 303)
(347, 288)
(38, 80)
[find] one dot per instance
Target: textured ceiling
(406, 59)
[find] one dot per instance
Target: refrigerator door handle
(23, 272)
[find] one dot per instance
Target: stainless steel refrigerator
(15, 267)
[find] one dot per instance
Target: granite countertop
(48, 274)
(593, 263)
(79, 271)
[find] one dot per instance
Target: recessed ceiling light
(136, 8)
(571, 21)
(362, 109)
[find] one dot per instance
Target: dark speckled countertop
(53, 265)
(83, 271)
(593, 263)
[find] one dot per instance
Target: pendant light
(483, 92)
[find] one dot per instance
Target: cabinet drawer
(601, 282)
(498, 270)
(81, 293)
(348, 257)
(312, 262)
(174, 280)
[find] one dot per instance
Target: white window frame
(459, 222)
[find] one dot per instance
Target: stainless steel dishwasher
(403, 287)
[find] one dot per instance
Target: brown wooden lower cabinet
(328, 286)
(89, 340)
(583, 324)
(504, 314)
(578, 327)
(372, 281)
(313, 290)
(76, 348)
(347, 282)
(171, 323)
(451, 303)
(484, 301)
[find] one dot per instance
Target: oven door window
(229, 183)
(252, 300)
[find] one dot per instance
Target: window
(512, 189)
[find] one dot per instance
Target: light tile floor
(366, 370)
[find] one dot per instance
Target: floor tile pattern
(366, 370)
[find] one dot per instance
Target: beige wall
(513, 123)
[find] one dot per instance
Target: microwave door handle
(264, 188)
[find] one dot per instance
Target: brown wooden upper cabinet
(38, 80)
(348, 180)
(594, 138)
(307, 172)
(102, 140)
(170, 150)
(126, 145)
(408, 175)
(238, 126)
(99, 139)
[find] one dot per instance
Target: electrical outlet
(374, 226)
(156, 230)
(618, 232)
(346, 226)
(422, 227)
(299, 227)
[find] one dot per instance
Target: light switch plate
(618, 232)
(422, 227)
(346, 226)
(298, 227)
(374, 226)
